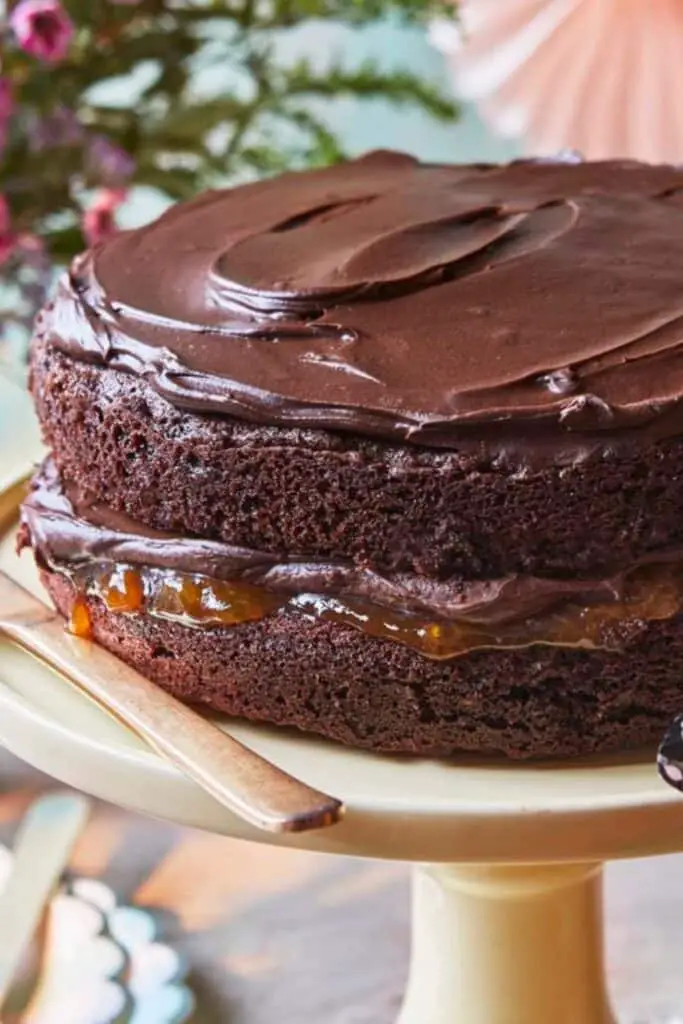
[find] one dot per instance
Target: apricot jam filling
(650, 593)
(79, 621)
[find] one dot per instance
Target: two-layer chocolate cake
(389, 452)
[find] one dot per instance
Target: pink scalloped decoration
(603, 77)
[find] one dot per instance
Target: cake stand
(507, 912)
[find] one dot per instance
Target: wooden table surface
(285, 937)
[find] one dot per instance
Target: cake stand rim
(144, 783)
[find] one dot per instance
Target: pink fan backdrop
(604, 77)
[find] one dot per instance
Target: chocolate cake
(389, 452)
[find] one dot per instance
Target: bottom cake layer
(366, 692)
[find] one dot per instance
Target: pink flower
(31, 246)
(7, 238)
(99, 220)
(6, 99)
(43, 29)
(6, 247)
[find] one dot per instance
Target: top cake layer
(535, 302)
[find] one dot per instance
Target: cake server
(253, 788)
(46, 838)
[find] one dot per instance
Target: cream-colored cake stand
(507, 922)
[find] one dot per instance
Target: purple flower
(61, 127)
(107, 163)
(43, 29)
(99, 220)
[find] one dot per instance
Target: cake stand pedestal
(507, 945)
(507, 917)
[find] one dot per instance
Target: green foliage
(267, 117)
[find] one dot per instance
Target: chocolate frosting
(420, 303)
(68, 534)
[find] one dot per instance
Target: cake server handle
(254, 789)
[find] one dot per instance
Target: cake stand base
(507, 945)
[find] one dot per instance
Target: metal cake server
(253, 788)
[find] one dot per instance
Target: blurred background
(110, 110)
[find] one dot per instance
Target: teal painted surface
(369, 125)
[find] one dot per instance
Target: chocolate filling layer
(203, 583)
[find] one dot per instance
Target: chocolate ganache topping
(413, 302)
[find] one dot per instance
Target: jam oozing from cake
(651, 593)
(80, 623)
